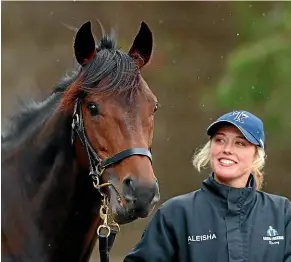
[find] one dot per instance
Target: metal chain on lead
(105, 228)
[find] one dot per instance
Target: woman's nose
(227, 148)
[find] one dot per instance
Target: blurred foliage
(257, 76)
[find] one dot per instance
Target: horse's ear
(142, 46)
(84, 45)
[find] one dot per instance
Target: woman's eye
(240, 143)
(156, 107)
(93, 108)
(219, 140)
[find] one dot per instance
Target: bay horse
(81, 160)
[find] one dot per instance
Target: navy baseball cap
(250, 125)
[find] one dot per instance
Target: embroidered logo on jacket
(273, 236)
(209, 236)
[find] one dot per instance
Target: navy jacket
(218, 223)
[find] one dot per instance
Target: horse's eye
(93, 108)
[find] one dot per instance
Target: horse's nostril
(128, 189)
(128, 182)
(139, 194)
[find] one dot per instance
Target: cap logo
(239, 116)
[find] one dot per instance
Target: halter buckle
(75, 124)
(76, 121)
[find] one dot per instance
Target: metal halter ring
(115, 226)
(100, 169)
(96, 183)
(106, 227)
(94, 175)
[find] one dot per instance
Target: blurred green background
(209, 58)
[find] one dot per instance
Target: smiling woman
(236, 149)
(228, 219)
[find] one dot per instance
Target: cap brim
(211, 130)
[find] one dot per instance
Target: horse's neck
(69, 204)
(60, 205)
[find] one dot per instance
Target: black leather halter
(97, 166)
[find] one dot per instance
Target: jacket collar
(234, 200)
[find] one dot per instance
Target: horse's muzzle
(139, 196)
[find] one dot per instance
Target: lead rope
(106, 231)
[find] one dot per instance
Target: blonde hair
(201, 160)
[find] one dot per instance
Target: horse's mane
(111, 70)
